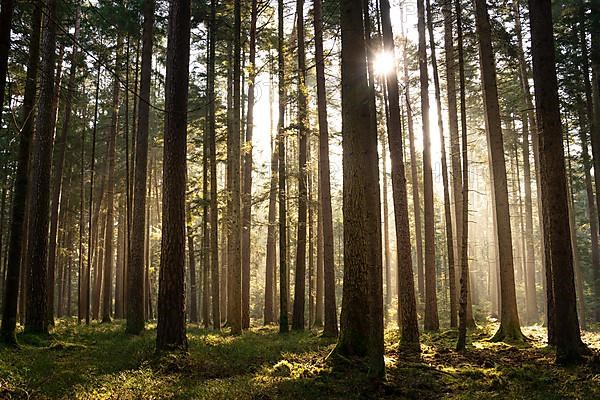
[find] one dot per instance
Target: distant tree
(135, 266)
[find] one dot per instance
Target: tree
(464, 261)
(234, 261)
(509, 319)
(283, 267)
(361, 331)
(110, 190)
(444, 166)
(61, 147)
(407, 304)
(21, 187)
(300, 284)
(170, 330)
(431, 313)
(247, 173)
(569, 347)
(135, 266)
(214, 208)
(36, 320)
(330, 326)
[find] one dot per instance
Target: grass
(102, 362)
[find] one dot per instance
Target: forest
(309, 199)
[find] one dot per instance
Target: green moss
(102, 362)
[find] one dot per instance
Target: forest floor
(102, 362)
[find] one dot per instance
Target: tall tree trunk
(463, 317)
(121, 255)
(455, 156)
(431, 322)
(444, 166)
(135, 266)
(205, 271)
(330, 327)
(554, 181)
(61, 146)
(170, 331)
(234, 283)
(361, 325)
(414, 176)
(407, 307)
(110, 191)
(214, 207)
(300, 284)
(247, 172)
(509, 317)
(21, 187)
(41, 162)
(283, 266)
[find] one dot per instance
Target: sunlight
(384, 63)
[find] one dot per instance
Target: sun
(384, 63)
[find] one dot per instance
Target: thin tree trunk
(134, 310)
(431, 322)
(328, 281)
(300, 284)
(447, 210)
(283, 266)
(407, 307)
(193, 300)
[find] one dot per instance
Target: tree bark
(509, 319)
(431, 322)
(300, 276)
(170, 331)
(407, 306)
(21, 187)
(135, 266)
(41, 162)
(330, 327)
(569, 347)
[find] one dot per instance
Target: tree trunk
(170, 331)
(407, 307)
(361, 331)
(283, 266)
(21, 188)
(135, 266)
(247, 171)
(271, 256)
(214, 206)
(463, 317)
(431, 322)
(300, 284)
(41, 162)
(234, 283)
(110, 192)
(509, 318)
(193, 300)
(444, 166)
(330, 327)
(553, 173)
